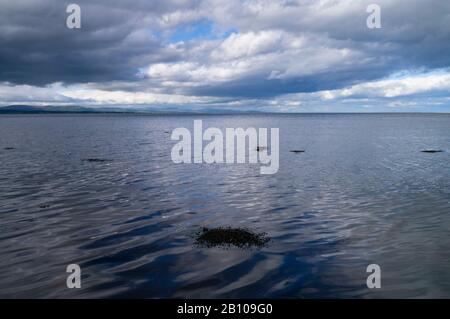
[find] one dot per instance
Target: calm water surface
(362, 193)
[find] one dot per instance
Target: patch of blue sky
(418, 72)
(199, 30)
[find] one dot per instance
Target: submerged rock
(239, 237)
(432, 151)
(297, 151)
(96, 160)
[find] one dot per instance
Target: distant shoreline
(212, 113)
(80, 110)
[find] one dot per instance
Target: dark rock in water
(9, 148)
(238, 237)
(260, 148)
(297, 151)
(432, 151)
(96, 160)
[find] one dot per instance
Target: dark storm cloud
(37, 48)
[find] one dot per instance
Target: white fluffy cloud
(394, 87)
(266, 54)
(58, 93)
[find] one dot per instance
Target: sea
(101, 191)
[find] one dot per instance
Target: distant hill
(28, 109)
(22, 109)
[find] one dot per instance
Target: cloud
(399, 93)
(87, 94)
(255, 53)
(265, 63)
(396, 87)
(115, 40)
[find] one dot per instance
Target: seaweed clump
(227, 236)
(96, 160)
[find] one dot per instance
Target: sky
(252, 55)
